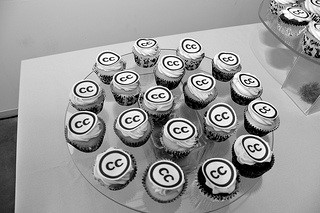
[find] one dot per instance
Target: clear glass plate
(134, 196)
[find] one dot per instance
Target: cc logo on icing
(298, 12)
(190, 46)
(108, 58)
(249, 80)
(172, 62)
(82, 122)
(255, 147)
(219, 171)
(228, 58)
(180, 129)
(264, 109)
(158, 94)
(132, 118)
(112, 165)
(126, 77)
(146, 43)
(86, 89)
(222, 115)
(202, 82)
(165, 173)
(316, 2)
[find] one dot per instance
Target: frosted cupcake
(146, 52)
(114, 168)
(277, 5)
(133, 127)
(85, 131)
(225, 65)
(191, 52)
(217, 180)
(220, 122)
(244, 88)
(158, 102)
(169, 71)
(87, 95)
(125, 87)
(311, 40)
(179, 136)
(313, 7)
(199, 91)
(252, 156)
(107, 64)
(293, 21)
(164, 181)
(261, 118)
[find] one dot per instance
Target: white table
(48, 181)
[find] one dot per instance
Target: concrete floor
(8, 144)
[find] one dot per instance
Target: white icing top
(132, 123)
(113, 166)
(201, 85)
(227, 61)
(171, 66)
(190, 48)
(126, 80)
(181, 132)
(109, 61)
(146, 46)
(312, 6)
(158, 98)
(165, 175)
(296, 13)
(246, 84)
(286, 1)
(251, 149)
(220, 175)
(314, 29)
(83, 126)
(221, 117)
(262, 112)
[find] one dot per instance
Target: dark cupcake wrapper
(135, 144)
(310, 46)
(125, 100)
(252, 171)
(207, 191)
(196, 104)
(145, 62)
(255, 130)
(169, 84)
(241, 100)
(91, 148)
(221, 76)
(106, 79)
(95, 109)
(190, 64)
(144, 178)
(115, 187)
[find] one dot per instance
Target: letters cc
(113, 165)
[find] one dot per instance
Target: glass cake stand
(134, 196)
(283, 57)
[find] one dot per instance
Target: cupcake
(114, 168)
(199, 91)
(277, 5)
(313, 7)
(191, 52)
(146, 52)
(87, 95)
(225, 65)
(311, 40)
(292, 21)
(217, 179)
(125, 87)
(220, 122)
(179, 136)
(261, 118)
(133, 127)
(85, 131)
(252, 156)
(158, 102)
(169, 71)
(244, 88)
(164, 181)
(107, 64)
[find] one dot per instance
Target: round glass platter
(133, 196)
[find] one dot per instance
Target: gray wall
(34, 28)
